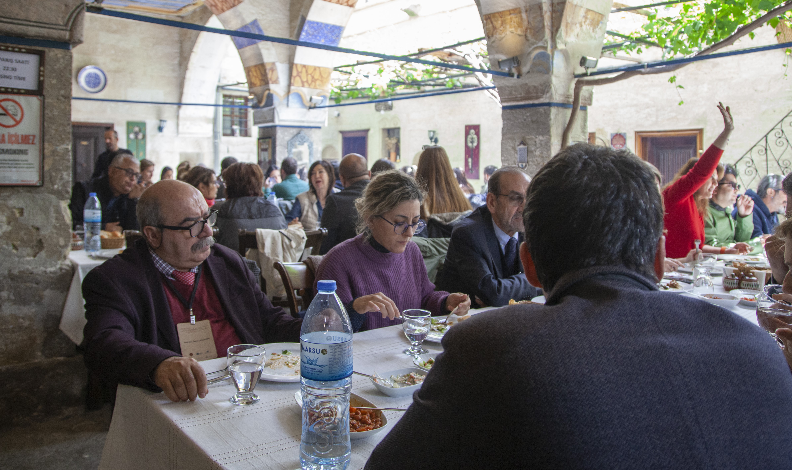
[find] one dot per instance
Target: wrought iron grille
(772, 154)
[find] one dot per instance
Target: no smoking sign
(11, 113)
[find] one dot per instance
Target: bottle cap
(326, 286)
(91, 194)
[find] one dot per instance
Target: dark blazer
(764, 220)
(340, 217)
(130, 329)
(123, 209)
(474, 264)
(610, 374)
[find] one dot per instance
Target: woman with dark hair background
(475, 199)
(205, 181)
(383, 164)
(245, 206)
(442, 190)
(307, 208)
(166, 174)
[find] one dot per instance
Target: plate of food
(283, 362)
(747, 296)
(441, 325)
(425, 361)
(363, 423)
(672, 285)
(400, 382)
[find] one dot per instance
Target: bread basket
(112, 243)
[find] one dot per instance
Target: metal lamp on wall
(522, 155)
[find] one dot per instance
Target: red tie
(184, 277)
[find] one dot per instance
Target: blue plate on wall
(92, 79)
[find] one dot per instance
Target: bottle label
(92, 215)
(326, 356)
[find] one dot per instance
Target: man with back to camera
(291, 185)
(610, 373)
(769, 199)
(340, 216)
(224, 163)
(117, 191)
(138, 304)
(482, 259)
(488, 172)
(104, 158)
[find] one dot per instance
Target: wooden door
(355, 142)
(87, 143)
(668, 151)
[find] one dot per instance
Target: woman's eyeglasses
(400, 228)
(734, 185)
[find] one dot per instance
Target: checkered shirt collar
(164, 267)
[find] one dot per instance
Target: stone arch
(279, 75)
(330, 152)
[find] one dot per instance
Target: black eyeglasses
(196, 228)
(129, 173)
(514, 199)
(401, 227)
(734, 185)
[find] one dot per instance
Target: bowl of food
(721, 300)
(425, 361)
(747, 296)
(401, 382)
(363, 423)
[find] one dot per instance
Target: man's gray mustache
(203, 243)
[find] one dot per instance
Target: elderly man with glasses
(720, 228)
(117, 191)
(769, 199)
(174, 298)
(482, 256)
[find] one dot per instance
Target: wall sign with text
(21, 149)
(21, 70)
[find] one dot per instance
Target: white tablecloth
(73, 317)
(148, 431)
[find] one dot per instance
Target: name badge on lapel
(196, 340)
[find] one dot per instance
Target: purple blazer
(130, 329)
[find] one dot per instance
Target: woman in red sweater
(683, 219)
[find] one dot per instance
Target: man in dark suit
(118, 192)
(140, 303)
(339, 215)
(103, 160)
(610, 373)
(482, 259)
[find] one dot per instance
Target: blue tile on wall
(252, 27)
(321, 33)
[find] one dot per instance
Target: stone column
(40, 371)
(541, 42)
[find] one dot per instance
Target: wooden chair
(132, 236)
(247, 241)
(313, 242)
(298, 280)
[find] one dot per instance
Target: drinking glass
(701, 273)
(245, 362)
(773, 314)
(416, 327)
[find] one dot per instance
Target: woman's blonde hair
(386, 191)
(443, 193)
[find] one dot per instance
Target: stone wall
(40, 371)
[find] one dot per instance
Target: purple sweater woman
(381, 272)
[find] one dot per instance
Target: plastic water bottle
(92, 218)
(326, 382)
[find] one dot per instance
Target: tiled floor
(66, 443)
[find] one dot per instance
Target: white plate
(752, 260)
(355, 400)
(283, 374)
(435, 336)
(399, 391)
(539, 300)
(745, 293)
(684, 288)
(421, 360)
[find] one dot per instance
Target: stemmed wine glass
(773, 314)
(416, 328)
(702, 269)
(245, 362)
